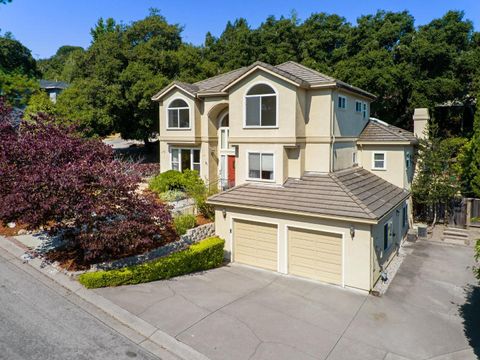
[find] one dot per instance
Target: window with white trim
(364, 110)
(224, 132)
(358, 106)
(261, 106)
(342, 102)
(182, 159)
(260, 166)
(178, 114)
(354, 158)
(379, 161)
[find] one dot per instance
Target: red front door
(231, 170)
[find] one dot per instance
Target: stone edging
(192, 236)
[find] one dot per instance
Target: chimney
(420, 122)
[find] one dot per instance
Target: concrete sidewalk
(235, 312)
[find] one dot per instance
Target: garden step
(456, 233)
(456, 240)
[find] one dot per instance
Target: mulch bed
(6, 231)
(202, 220)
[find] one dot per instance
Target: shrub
(172, 195)
(204, 255)
(184, 222)
(169, 180)
(48, 173)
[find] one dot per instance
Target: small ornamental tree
(437, 181)
(51, 176)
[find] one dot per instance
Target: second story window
(408, 160)
(358, 106)
(379, 161)
(364, 110)
(342, 102)
(178, 115)
(261, 107)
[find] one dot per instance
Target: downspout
(332, 134)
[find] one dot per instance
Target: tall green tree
(60, 66)
(470, 160)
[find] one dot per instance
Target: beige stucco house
(314, 187)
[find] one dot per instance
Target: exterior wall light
(352, 231)
(224, 213)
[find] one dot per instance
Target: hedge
(207, 254)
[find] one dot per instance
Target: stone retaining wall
(192, 236)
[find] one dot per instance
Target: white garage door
(255, 244)
(315, 255)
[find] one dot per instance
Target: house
(314, 187)
(53, 88)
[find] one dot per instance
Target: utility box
(422, 231)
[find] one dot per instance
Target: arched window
(178, 114)
(261, 106)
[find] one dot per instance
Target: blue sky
(45, 25)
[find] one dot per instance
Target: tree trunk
(148, 144)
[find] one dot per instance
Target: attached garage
(316, 255)
(325, 227)
(255, 244)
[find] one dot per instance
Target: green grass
(206, 254)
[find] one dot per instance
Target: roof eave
(301, 213)
(210, 94)
(168, 88)
(300, 83)
(383, 142)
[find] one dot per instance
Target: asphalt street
(38, 321)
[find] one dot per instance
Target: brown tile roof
(301, 75)
(352, 193)
(379, 131)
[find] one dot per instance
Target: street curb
(150, 332)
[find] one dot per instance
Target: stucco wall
(343, 155)
(285, 131)
(348, 122)
(357, 250)
(379, 256)
(396, 171)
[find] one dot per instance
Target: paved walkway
(431, 311)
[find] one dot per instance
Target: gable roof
(354, 193)
(379, 131)
(291, 71)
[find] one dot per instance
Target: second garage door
(315, 255)
(255, 244)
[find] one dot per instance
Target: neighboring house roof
(291, 71)
(352, 193)
(47, 84)
(379, 131)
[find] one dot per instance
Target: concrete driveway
(235, 312)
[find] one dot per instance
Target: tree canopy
(385, 53)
